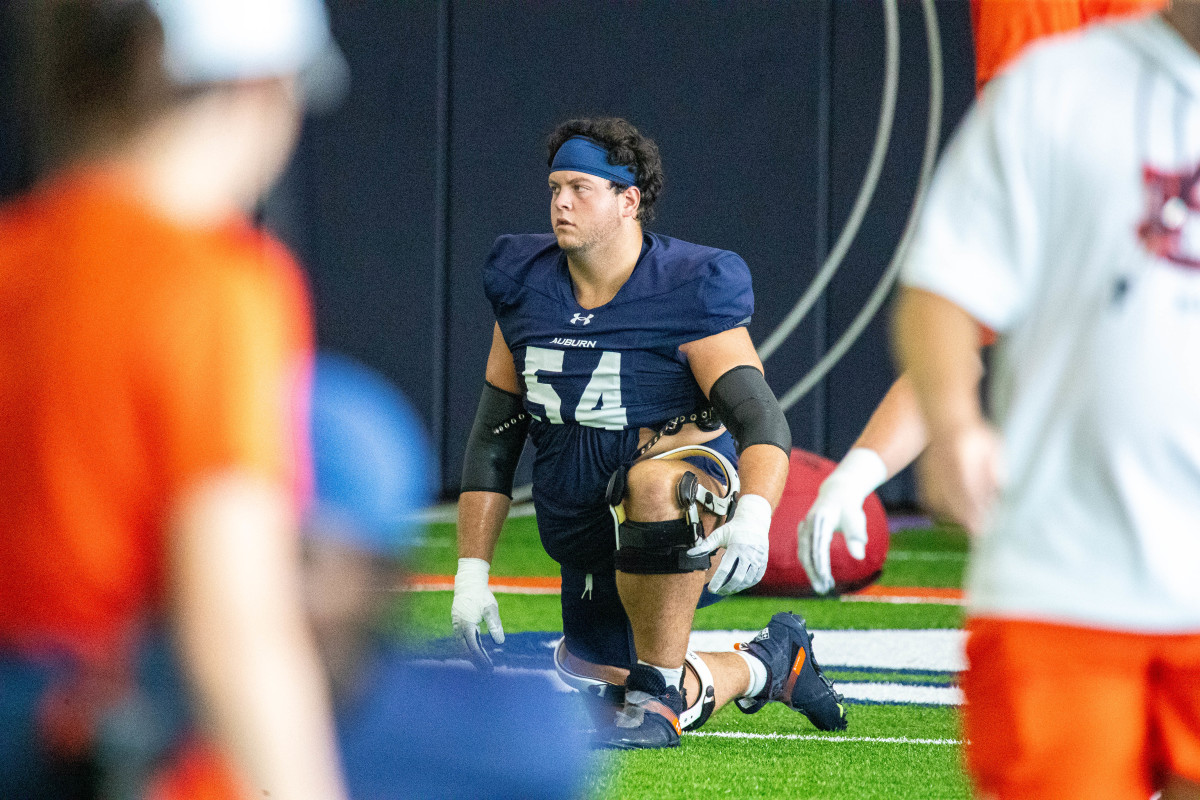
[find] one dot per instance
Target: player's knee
(651, 494)
(654, 528)
(657, 509)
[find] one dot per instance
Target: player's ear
(631, 201)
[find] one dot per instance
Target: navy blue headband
(581, 154)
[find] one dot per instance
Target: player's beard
(584, 242)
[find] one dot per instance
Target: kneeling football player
(624, 355)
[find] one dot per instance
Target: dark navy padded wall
(359, 203)
(723, 93)
(765, 114)
(865, 373)
(16, 134)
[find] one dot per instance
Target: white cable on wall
(933, 132)
(866, 192)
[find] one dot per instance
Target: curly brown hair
(626, 147)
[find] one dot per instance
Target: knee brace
(660, 548)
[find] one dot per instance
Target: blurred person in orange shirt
(895, 434)
(154, 359)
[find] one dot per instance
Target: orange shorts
(1054, 711)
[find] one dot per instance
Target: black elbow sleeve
(494, 447)
(749, 409)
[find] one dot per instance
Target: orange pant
(1054, 711)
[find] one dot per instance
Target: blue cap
(581, 154)
(371, 460)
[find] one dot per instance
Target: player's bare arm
(497, 437)
(728, 370)
(233, 577)
(762, 467)
(481, 513)
(938, 344)
(893, 438)
(896, 430)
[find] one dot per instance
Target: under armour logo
(584, 318)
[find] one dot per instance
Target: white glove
(473, 603)
(839, 507)
(746, 539)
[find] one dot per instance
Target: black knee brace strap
(658, 548)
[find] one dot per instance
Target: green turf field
(893, 751)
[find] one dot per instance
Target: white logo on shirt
(585, 319)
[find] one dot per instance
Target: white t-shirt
(1066, 216)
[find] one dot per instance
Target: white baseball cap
(217, 41)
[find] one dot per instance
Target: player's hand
(475, 603)
(961, 474)
(746, 539)
(814, 537)
(839, 507)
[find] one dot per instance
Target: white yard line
(933, 650)
(925, 555)
(812, 737)
(906, 694)
(448, 512)
(938, 649)
(498, 588)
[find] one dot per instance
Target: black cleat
(603, 704)
(793, 677)
(650, 718)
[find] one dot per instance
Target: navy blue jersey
(592, 377)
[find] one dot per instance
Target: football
(784, 575)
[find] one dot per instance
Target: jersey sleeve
(977, 242)
(722, 296)
(498, 285)
(229, 365)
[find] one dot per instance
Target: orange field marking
(543, 584)
(906, 594)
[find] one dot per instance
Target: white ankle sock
(673, 677)
(758, 673)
